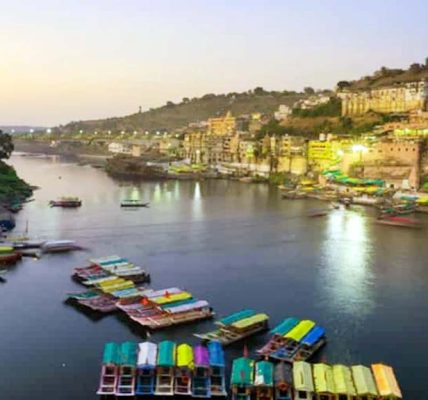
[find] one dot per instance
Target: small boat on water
(127, 369)
(399, 209)
(109, 370)
(201, 383)
(303, 381)
(59, 246)
(165, 368)
(242, 378)
(133, 203)
(263, 381)
(237, 326)
(317, 213)
(283, 379)
(217, 369)
(8, 255)
(66, 202)
(146, 369)
(386, 382)
(404, 222)
(184, 370)
(365, 385)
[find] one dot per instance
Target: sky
(69, 60)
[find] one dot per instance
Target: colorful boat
(66, 202)
(237, 326)
(310, 344)
(283, 378)
(109, 370)
(127, 367)
(201, 383)
(278, 332)
(242, 379)
(404, 222)
(184, 370)
(344, 387)
(303, 381)
(165, 368)
(263, 381)
(8, 255)
(364, 383)
(217, 366)
(324, 382)
(146, 369)
(386, 382)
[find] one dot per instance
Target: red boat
(66, 202)
(400, 221)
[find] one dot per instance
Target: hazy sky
(80, 59)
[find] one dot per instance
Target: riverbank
(13, 190)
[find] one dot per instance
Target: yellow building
(222, 125)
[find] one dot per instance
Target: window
(301, 394)
(343, 397)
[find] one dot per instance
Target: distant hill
(173, 116)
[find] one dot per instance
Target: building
(397, 98)
(119, 148)
(283, 112)
(222, 125)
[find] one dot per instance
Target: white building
(119, 148)
(283, 112)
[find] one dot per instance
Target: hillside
(173, 116)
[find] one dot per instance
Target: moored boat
(165, 368)
(344, 387)
(133, 203)
(242, 378)
(263, 381)
(303, 381)
(109, 370)
(66, 202)
(146, 369)
(364, 383)
(386, 382)
(127, 367)
(59, 246)
(184, 370)
(201, 383)
(8, 255)
(283, 380)
(324, 381)
(217, 369)
(400, 221)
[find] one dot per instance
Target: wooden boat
(127, 370)
(283, 379)
(386, 382)
(8, 256)
(146, 369)
(217, 369)
(310, 344)
(184, 370)
(263, 381)
(201, 383)
(165, 369)
(242, 378)
(317, 213)
(104, 303)
(293, 195)
(133, 203)
(343, 383)
(365, 385)
(399, 209)
(59, 246)
(303, 381)
(237, 326)
(66, 202)
(109, 370)
(400, 221)
(324, 381)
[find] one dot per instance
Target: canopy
(230, 319)
(6, 249)
(386, 382)
(242, 371)
(263, 374)
(162, 292)
(178, 303)
(201, 356)
(128, 353)
(170, 298)
(283, 373)
(302, 376)
(185, 356)
(166, 354)
(285, 326)
(343, 380)
(216, 354)
(313, 336)
(363, 380)
(147, 354)
(300, 331)
(246, 322)
(323, 377)
(188, 307)
(109, 260)
(111, 353)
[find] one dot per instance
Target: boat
(104, 303)
(66, 202)
(303, 381)
(317, 213)
(184, 370)
(365, 385)
(404, 222)
(237, 326)
(386, 382)
(293, 195)
(127, 369)
(283, 380)
(310, 344)
(146, 369)
(201, 383)
(217, 369)
(263, 381)
(8, 255)
(324, 381)
(133, 203)
(242, 378)
(165, 368)
(343, 383)
(109, 370)
(59, 246)
(399, 209)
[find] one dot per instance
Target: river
(237, 245)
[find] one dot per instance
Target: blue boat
(146, 369)
(217, 363)
(311, 343)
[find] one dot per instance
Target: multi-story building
(222, 125)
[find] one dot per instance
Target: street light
(31, 130)
(135, 132)
(81, 131)
(49, 130)
(109, 132)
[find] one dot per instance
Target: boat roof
(263, 373)
(300, 330)
(162, 292)
(106, 260)
(285, 326)
(242, 371)
(166, 354)
(188, 307)
(313, 336)
(216, 353)
(343, 382)
(147, 354)
(170, 298)
(363, 380)
(386, 381)
(302, 376)
(246, 322)
(202, 357)
(185, 356)
(111, 353)
(128, 353)
(178, 303)
(59, 242)
(230, 319)
(323, 378)
(283, 373)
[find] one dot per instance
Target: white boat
(56, 246)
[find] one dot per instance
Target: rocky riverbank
(13, 190)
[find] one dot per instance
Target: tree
(6, 145)
(170, 104)
(259, 91)
(343, 84)
(308, 90)
(185, 100)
